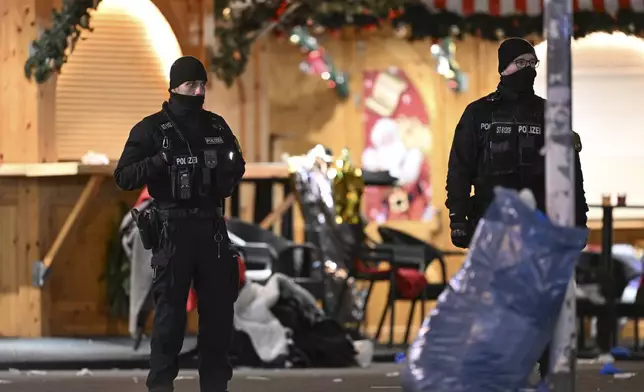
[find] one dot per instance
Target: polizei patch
(186, 160)
(215, 140)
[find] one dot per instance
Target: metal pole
(560, 178)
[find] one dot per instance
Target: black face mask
(521, 81)
(185, 104)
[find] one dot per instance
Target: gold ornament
(348, 187)
(500, 34)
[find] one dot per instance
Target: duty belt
(195, 213)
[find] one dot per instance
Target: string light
(444, 51)
(318, 62)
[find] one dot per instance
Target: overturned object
(496, 317)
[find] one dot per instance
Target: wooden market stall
(63, 213)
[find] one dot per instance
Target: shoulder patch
(239, 149)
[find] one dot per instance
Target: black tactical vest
(512, 143)
(192, 170)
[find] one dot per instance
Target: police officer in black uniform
(498, 141)
(190, 160)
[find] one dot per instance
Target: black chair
(591, 270)
(424, 255)
(364, 266)
(265, 248)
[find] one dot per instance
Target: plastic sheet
(492, 324)
(315, 195)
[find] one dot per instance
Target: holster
(149, 224)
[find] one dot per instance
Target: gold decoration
(346, 180)
(348, 187)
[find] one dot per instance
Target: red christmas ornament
(282, 8)
(393, 14)
(280, 11)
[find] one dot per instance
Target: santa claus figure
(396, 146)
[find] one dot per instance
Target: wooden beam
(278, 212)
(80, 208)
(254, 171)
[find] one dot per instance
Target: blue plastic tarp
(493, 322)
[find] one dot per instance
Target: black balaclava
(186, 69)
(522, 81)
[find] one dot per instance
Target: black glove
(162, 159)
(461, 233)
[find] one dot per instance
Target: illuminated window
(608, 92)
(117, 75)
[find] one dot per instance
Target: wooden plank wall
(74, 298)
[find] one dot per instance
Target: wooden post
(26, 108)
(27, 134)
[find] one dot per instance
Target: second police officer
(498, 142)
(190, 161)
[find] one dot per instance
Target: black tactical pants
(188, 253)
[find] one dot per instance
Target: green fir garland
(50, 51)
(240, 22)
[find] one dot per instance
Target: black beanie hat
(512, 48)
(186, 69)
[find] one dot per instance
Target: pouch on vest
(210, 163)
(501, 149)
(529, 158)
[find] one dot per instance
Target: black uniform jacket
(498, 141)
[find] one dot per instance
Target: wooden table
(263, 175)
